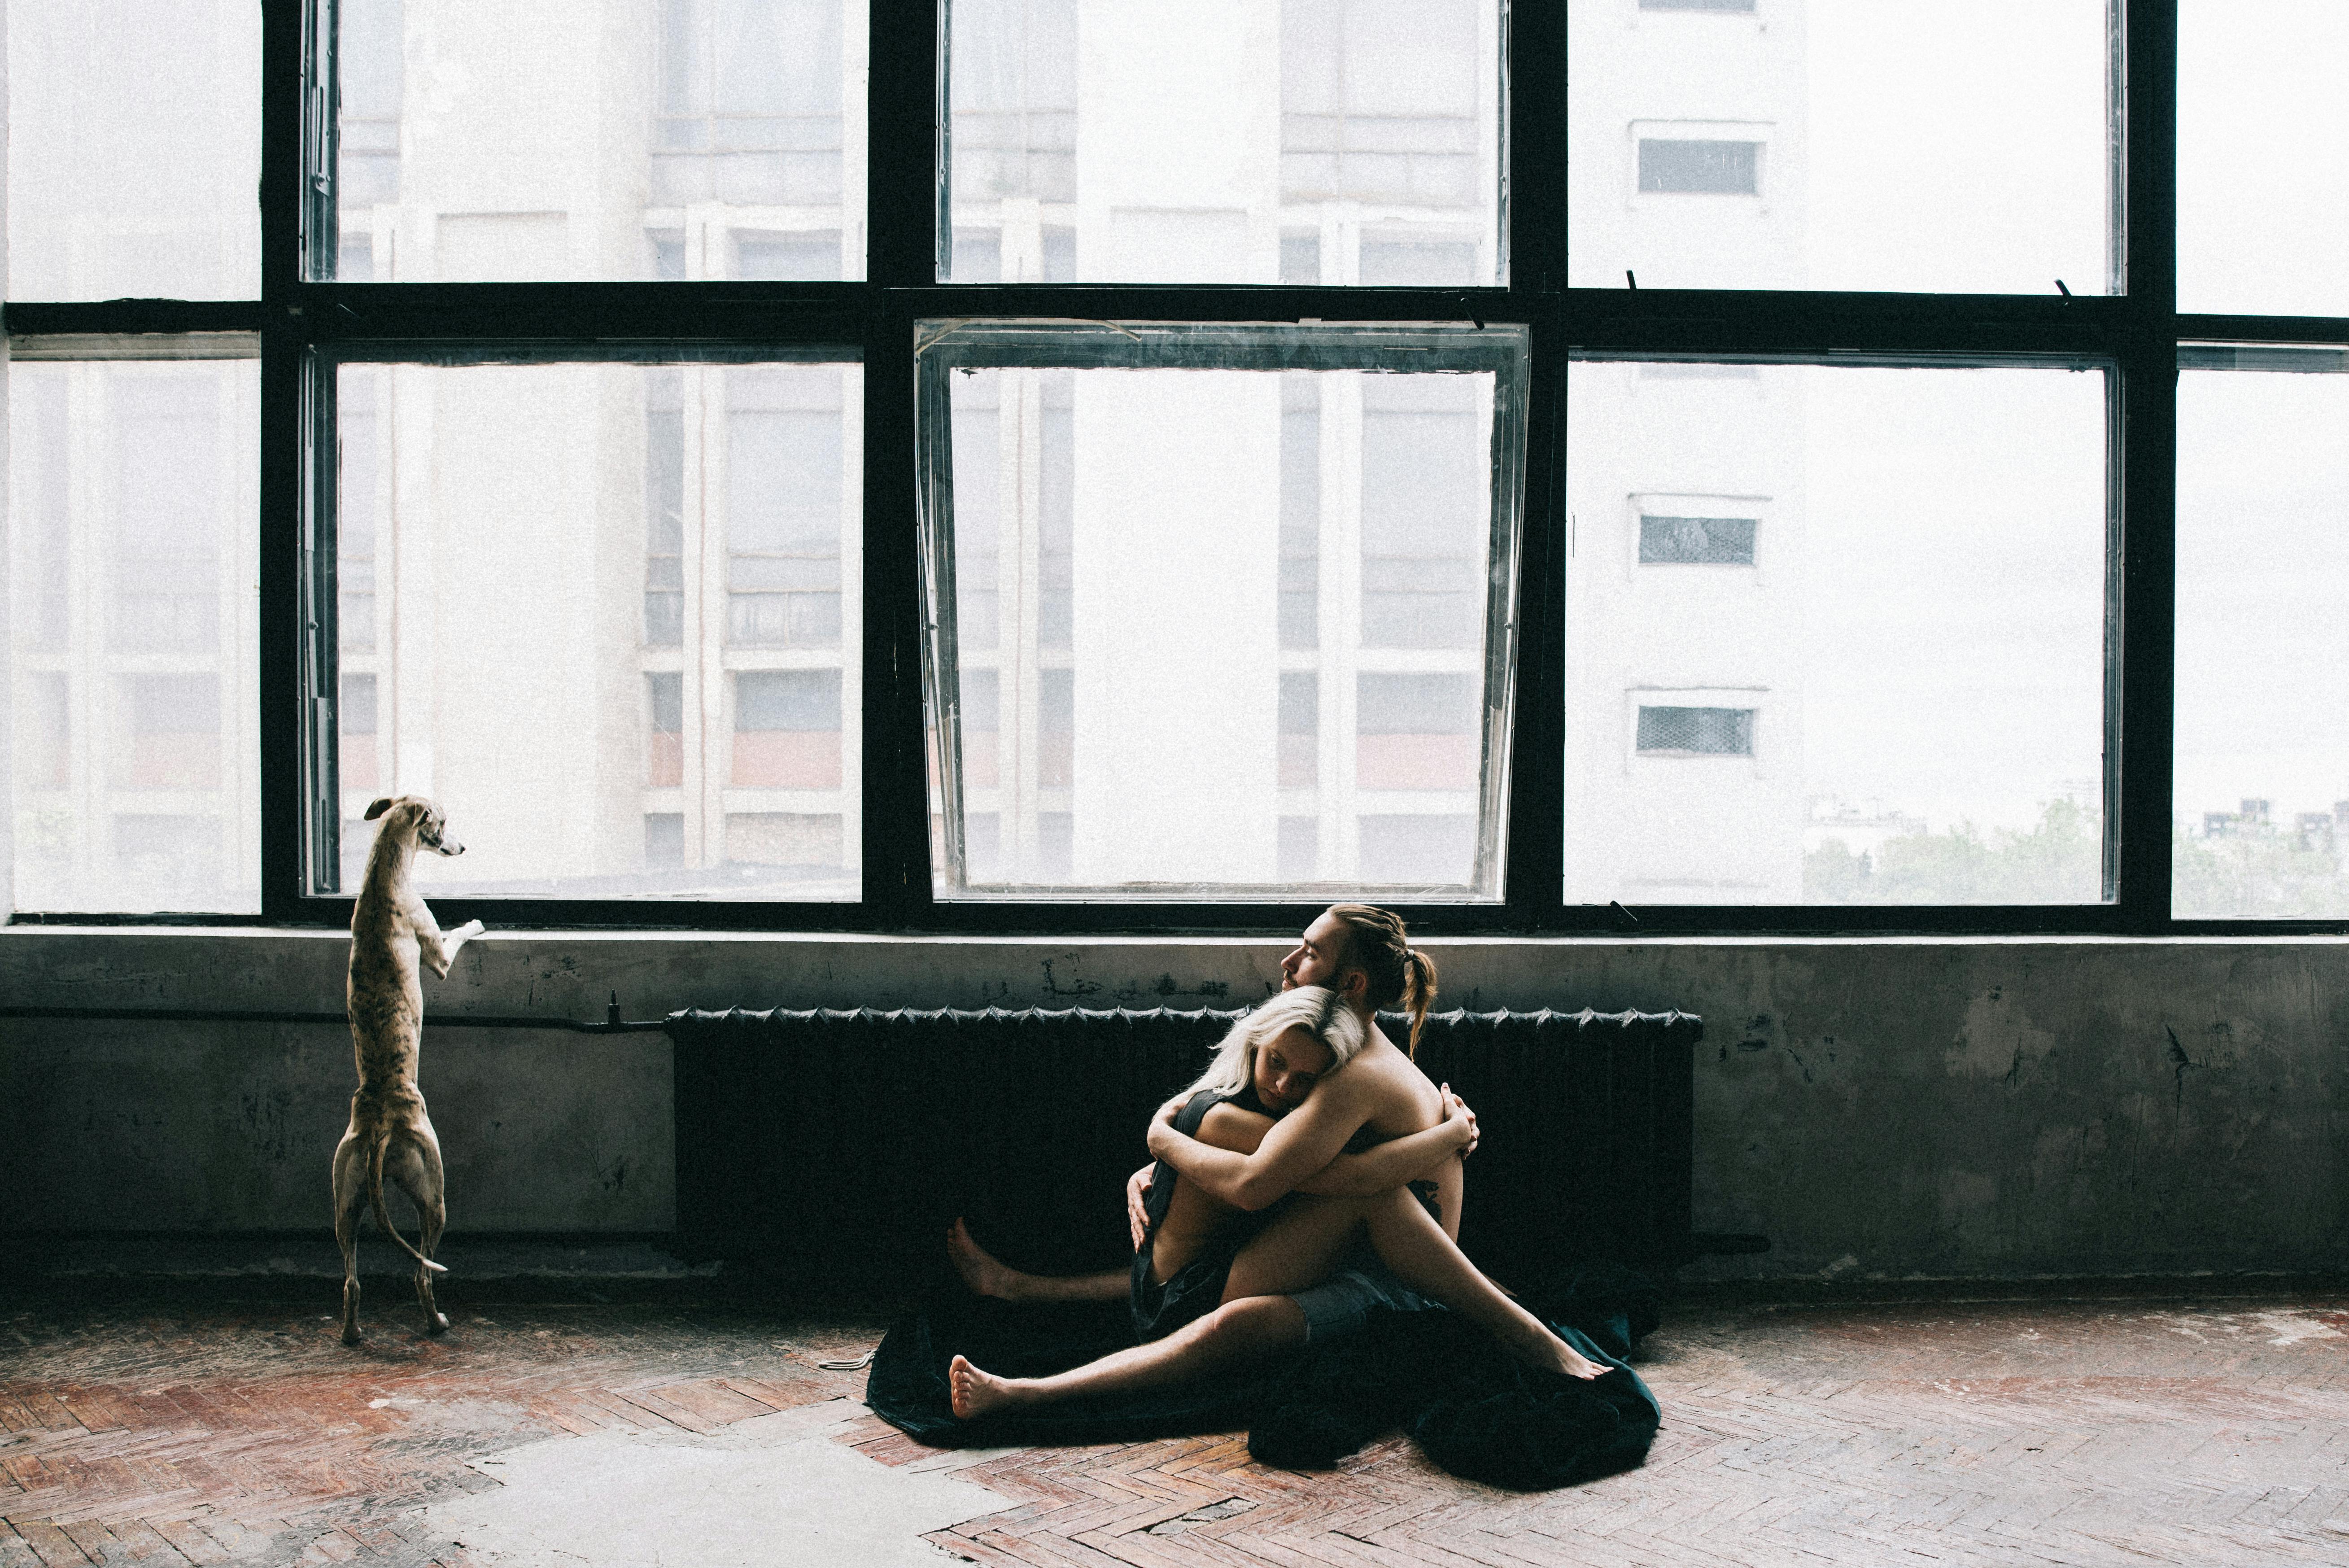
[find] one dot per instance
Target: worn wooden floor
(2124, 1431)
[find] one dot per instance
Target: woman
(1265, 1066)
(1321, 1261)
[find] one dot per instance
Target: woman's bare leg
(988, 1275)
(1190, 1212)
(1415, 1247)
(1302, 1247)
(1299, 1248)
(1234, 1331)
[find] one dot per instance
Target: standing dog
(389, 1134)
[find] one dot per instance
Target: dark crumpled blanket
(1475, 1410)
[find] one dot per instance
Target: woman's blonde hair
(1319, 1010)
(1399, 974)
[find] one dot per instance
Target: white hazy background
(1914, 108)
(1957, 146)
(1955, 591)
(2262, 458)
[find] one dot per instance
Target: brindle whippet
(390, 1135)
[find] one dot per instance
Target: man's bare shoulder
(1391, 1080)
(1350, 1090)
(1389, 1058)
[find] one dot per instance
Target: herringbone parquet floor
(2079, 1431)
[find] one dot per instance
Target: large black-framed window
(2134, 334)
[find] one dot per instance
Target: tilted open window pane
(1934, 145)
(1220, 612)
(1834, 634)
(134, 647)
(528, 140)
(1315, 142)
(2262, 157)
(607, 616)
(134, 150)
(2262, 716)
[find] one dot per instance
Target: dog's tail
(383, 1215)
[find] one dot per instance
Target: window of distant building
(1700, 166)
(1665, 530)
(1669, 540)
(1677, 732)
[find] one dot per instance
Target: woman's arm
(1399, 1160)
(1298, 1148)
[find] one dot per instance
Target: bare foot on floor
(1552, 1354)
(979, 1269)
(975, 1392)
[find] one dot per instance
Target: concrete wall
(1877, 1107)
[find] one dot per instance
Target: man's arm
(1393, 1163)
(1382, 1168)
(1298, 1146)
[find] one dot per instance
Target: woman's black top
(1197, 1288)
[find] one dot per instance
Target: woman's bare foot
(975, 1392)
(988, 1276)
(1555, 1355)
(981, 1270)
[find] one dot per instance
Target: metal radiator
(837, 1146)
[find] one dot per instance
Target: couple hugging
(1311, 1173)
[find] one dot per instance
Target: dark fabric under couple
(1476, 1411)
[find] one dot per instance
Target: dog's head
(418, 818)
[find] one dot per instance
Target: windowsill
(574, 935)
(90, 976)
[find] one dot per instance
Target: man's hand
(1462, 1120)
(1137, 1203)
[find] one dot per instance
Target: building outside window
(1318, 141)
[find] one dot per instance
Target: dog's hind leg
(350, 1200)
(413, 1164)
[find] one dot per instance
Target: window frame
(322, 495)
(2140, 332)
(945, 347)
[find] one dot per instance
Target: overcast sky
(1954, 666)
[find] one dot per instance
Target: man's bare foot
(975, 1392)
(981, 1270)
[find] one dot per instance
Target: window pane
(1220, 625)
(1331, 142)
(618, 645)
(1696, 541)
(1835, 635)
(1936, 145)
(669, 139)
(132, 503)
(2262, 157)
(2262, 765)
(134, 150)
